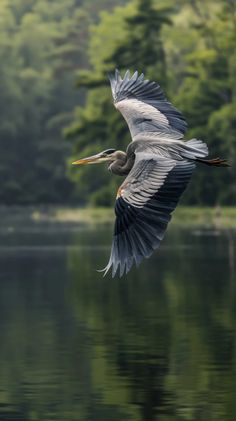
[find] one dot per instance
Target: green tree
(206, 93)
(98, 125)
(42, 45)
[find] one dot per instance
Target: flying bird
(158, 165)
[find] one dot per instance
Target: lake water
(159, 344)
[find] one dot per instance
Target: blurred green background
(160, 343)
(56, 102)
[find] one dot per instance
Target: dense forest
(56, 102)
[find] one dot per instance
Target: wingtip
(117, 75)
(110, 76)
(104, 270)
(135, 75)
(128, 75)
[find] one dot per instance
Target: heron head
(107, 155)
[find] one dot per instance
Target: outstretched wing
(143, 209)
(145, 108)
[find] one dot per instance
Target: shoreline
(184, 216)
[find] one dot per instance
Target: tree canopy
(189, 50)
(47, 48)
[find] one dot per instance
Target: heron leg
(216, 162)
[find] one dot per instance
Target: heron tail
(216, 162)
(197, 147)
(194, 149)
(197, 150)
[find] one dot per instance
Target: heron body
(158, 165)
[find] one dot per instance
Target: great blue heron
(158, 164)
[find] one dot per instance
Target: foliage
(193, 58)
(32, 81)
(42, 45)
(98, 125)
(45, 47)
(207, 92)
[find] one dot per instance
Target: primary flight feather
(158, 164)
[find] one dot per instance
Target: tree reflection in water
(158, 344)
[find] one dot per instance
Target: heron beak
(95, 159)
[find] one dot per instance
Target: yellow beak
(95, 159)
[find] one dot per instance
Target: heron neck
(122, 165)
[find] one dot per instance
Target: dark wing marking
(139, 231)
(145, 107)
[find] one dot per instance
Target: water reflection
(156, 345)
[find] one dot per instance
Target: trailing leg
(216, 162)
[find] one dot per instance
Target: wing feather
(145, 178)
(145, 107)
(140, 229)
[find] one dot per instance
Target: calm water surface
(159, 344)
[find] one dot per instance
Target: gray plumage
(162, 166)
(158, 164)
(145, 107)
